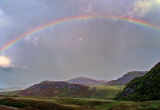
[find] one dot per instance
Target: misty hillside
(59, 89)
(85, 81)
(10, 89)
(126, 78)
(143, 88)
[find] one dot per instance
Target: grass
(13, 103)
(76, 104)
(105, 92)
(55, 103)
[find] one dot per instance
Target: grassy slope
(76, 104)
(105, 92)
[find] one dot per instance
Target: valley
(128, 93)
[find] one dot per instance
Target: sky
(102, 49)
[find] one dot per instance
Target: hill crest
(56, 88)
(85, 81)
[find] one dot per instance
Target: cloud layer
(98, 48)
(3, 19)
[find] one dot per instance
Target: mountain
(64, 89)
(143, 88)
(10, 89)
(85, 81)
(56, 89)
(126, 78)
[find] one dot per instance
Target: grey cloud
(100, 48)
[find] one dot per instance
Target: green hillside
(143, 88)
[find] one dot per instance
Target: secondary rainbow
(71, 19)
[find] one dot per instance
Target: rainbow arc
(71, 19)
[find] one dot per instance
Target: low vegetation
(30, 103)
(105, 92)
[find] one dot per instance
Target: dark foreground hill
(56, 89)
(125, 79)
(143, 88)
(85, 81)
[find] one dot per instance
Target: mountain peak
(85, 81)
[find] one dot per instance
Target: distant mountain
(86, 81)
(56, 89)
(10, 89)
(126, 78)
(143, 88)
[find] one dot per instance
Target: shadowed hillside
(56, 89)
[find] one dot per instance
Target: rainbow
(71, 19)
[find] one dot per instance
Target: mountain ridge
(126, 78)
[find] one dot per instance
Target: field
(9, 101)
(30, 103)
